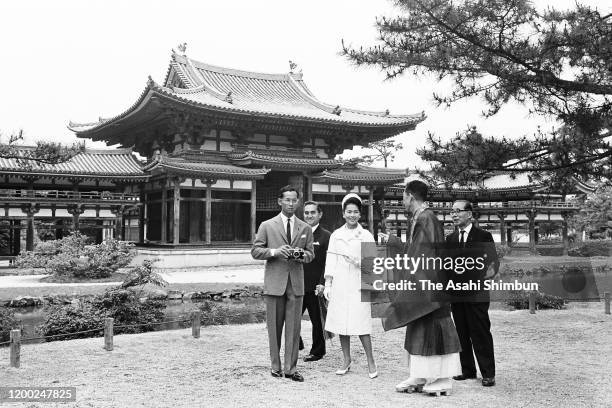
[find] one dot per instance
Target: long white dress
(346, 313)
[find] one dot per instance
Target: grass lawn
(550, 359)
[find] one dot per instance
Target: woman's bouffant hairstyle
(352, 200)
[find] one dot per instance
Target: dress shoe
(373, 375)
(439, 387)
(411, 385)
(295, 377)
(488, 381)
(310, 357)
(276, 373)
(463, 377)
(343, 371)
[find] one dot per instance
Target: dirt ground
(550, 359)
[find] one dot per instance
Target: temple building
(220, 143)
(87, 194)
(512, 207)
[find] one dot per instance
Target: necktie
(289, 230)
(461, 240)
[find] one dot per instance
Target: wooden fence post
(15, 348)
(532, 302)
(195, 324)
(108, 334)
(607, 302)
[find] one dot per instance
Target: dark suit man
(284, 279)
(313, 277)
(470, 308)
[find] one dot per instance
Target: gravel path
(550, 359)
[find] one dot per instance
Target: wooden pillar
(253, 210)
(164, 214)
(371, 209)
(142, 215)
(308, 188)
(30, 210)
(119, 220)
(208, 216)
(30, 232)
(532, 238)
(176, 225)
(565, 216)
(502, 227)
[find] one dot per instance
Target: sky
(77, 60)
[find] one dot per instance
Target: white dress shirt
(467, 232)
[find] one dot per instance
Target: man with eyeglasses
(278, 242)
(470, 309)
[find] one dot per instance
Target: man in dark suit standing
(313, 277)
(276, 241)
(470, 308)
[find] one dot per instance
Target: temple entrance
(267, 193)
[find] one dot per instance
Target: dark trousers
(284, 310)
(311, 303)
(474, 331)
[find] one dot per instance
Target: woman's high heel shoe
(373, 375)
(343, 371)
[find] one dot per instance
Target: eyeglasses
(457, 211)
(289, 200)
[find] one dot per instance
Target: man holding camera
(285, 243)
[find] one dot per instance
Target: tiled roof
(362, 174)
(111, 163)
(177, 165)
(250, 158)
(503, 182)
(270, 95)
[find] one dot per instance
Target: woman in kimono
(347, 314)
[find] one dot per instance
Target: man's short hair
(319, 209)
(286, 189)
(418, 189)
(468, 204)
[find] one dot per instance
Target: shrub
(72, 256)
(520, 300)
(550, 250)
(121, 303)
(7, 323)
(66, 319)
(502, 250)
(592, 248)
(217, 313)
(125, 307)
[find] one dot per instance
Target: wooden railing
(55, 195)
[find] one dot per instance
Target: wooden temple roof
(359, 174)
(497, 186)
(201, 169)
(277, 161)
(220, 90)
(116, 164)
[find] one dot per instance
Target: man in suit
(470, 308)
(313, 277)
(284, 279)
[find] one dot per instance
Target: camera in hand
(297, 253)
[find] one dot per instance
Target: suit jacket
(272, 234)
(478, 244)
(313, 272)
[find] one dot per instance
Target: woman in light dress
(347, 315)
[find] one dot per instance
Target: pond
(234, 311)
